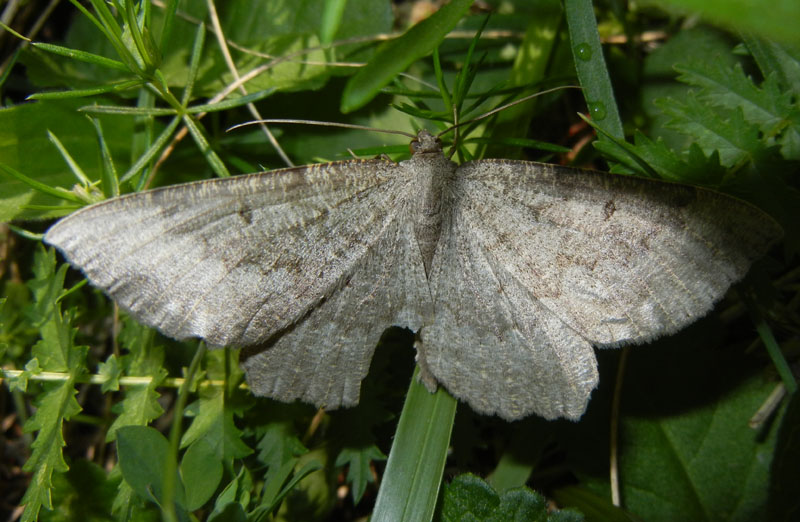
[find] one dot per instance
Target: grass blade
(413, 474)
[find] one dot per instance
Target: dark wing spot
(609, 208)
(245, 214)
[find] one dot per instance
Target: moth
(510, 272)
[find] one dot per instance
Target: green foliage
(468, 497)
(698, 109)
(55, 351)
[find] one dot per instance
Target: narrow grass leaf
(591, 66)
(413, 473)
(83, 56)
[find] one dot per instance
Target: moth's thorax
(432, 171)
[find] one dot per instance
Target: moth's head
(425, 142)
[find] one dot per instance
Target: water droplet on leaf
(597, 110)
(583, 51)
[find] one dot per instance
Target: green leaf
(25, 146)
(777, 59)
(395, 56)
(536, 53)
(56, 405)
(414, 472)
(331, 20)
(230, 503)
(746, 15)
(279, 443)
(110, 178)
(309, 494)
(291, 30)
(699, 460)
(140, 403)
(55, 351)
(656, 156)
(783, 501)
(468, 497)
(111, 371)
(85, 492)
(21, 381)
(142, 452)
(81, 55)
(201, 468)
(591, 66)
(359, 472)
(731, 136)
(730, 88)
(774, 111)
(214, 413)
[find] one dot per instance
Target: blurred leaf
(784, 504)
(396, 55)
(774, 58)
(746, 15)
(82, 493)
(698, 459)
(25, 146)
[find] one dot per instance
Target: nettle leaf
(54, 352)
(693, 167)
(468, 497)
(359, 472)
(731, 88)
(775, 112)
(278, 442)
(145, 359)
(729, 134)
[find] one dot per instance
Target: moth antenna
(456, 135)
(323, 124)
(485, 115)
